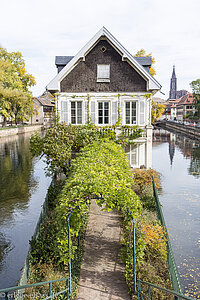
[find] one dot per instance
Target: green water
(23, 187)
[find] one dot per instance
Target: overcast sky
(42, 29)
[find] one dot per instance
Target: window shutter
(86, 111)
(142, 120)
(64, 112)
(114, 111)
(93, 111)
(123, 112)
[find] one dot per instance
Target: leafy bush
(148, 202)
(100, 168)
(63, 141)
(151, 253)
(143, 181)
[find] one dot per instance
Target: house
(44, 106)
(102, 81)
(185, 106)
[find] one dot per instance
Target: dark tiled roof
(62, 60)
(145, 61)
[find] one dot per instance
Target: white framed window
(103, 73)
(132, 154)
(130, 112)
(76, 112)
(103, 113)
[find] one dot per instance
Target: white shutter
(114, 112)
(92, 112)
(142, 119)
(64, 112)
(86, 110)
(122, 106)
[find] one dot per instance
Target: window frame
(76, 112)
(131, 110)
(103, 115)
(102, 79)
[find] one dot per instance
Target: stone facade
(83, 78)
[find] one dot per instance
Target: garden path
(102, 273)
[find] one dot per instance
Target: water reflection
(23, 186)
(181, 201)
(16, 176)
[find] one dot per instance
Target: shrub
(143, 181)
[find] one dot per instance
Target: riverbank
(19, 130)
(191, 132)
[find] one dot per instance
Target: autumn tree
(15, 98)
(195, 85)
(156, 111)
(142, 52)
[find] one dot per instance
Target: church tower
(173, 85)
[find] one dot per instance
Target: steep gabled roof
(153, 84)
(186, 100)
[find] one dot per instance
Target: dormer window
(103, 73)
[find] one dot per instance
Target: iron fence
(19, 292)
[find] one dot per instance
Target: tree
(195, 85)
(156, 111)
(142, 52)
(15, 97)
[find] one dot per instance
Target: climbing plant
(101, 171)
(62, 142)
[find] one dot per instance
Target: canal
(177, 158)
(23, 186)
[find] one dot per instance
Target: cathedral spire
(173, 73)
(173, 85)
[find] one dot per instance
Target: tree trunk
(4, 121)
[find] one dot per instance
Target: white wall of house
(73, 109)
(139, 102)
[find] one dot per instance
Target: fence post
(70, 267)
(134, 258)
(149, 292)
(49, 288)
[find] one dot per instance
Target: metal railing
(174, 275)
(134, 256)
(141, 295)
(14, 292)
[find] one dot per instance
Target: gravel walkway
(102, 271)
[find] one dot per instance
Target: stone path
(102, 272)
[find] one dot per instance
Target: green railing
(174, 275)
(151, 286)
(19, 292)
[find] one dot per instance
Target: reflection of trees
(194, 168)
(5, 247)
(16, 177)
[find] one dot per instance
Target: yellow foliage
(156, 111)
(142, 52)
(143, 178)
(155, 239)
